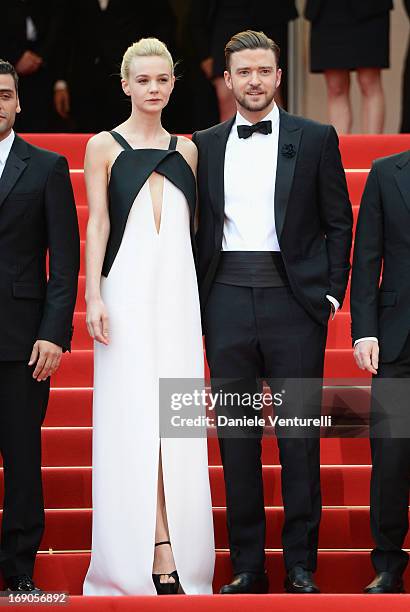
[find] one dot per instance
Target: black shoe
(247, 582)
(166, 588)
(385, 582)
(300, 580)
(21, 584)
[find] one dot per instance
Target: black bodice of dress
(129, 172)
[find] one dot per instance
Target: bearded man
(274, 239)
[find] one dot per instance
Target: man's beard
(242, 101)
(5, 126)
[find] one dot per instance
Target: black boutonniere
(288, 150)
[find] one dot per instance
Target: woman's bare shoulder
(188, 150)
(100, 142)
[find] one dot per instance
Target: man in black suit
(380, 330)
(37, 216)
(274, 238)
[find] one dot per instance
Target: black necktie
(264, 127)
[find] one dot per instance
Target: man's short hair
(249, 39)
(7, 68)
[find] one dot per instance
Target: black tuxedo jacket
(383, 240)
(313, 215)
(37, 215)
(362, 8)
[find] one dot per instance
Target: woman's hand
(97, 320)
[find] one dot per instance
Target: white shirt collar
(5, 146)
(273, 115)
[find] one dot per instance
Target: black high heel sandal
(166, 588)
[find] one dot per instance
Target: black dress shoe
(300, 580)
(385, 582)
(247, 582)
(21, 584)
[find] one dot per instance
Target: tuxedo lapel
(14, 167)
(216, 161)
(402, 177)
(288, 148)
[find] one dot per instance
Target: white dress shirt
(249, 178)
(250, 173)
(5, 146)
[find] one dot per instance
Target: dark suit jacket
(313, 215)
(37, 215)
(361, 8)
(269, 12)
(383, 239)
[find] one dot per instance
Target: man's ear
(278, 77)
(228, 79)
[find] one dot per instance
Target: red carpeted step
(340, 528)
(339, 332)
(359, 150)
(82, 214)
(80, 304)
(355, 184)
(240, 603)
(82, 257)
(72, 407)
(69, 408)
(72, 446)
(340, 363)
(66, 446)
(64, 487)
(80, 191)
(338, 572)
(76, 370)
(70, 487)
(72, 146)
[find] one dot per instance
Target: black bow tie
(264, 127)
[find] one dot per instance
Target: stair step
(70, 487)
(345, 527)
(357, 150)
(70, 407)
(338, 572)
(72, 446)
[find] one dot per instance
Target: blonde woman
(152, 514)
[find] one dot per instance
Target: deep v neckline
(151, 199)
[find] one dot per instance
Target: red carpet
(345, 539)
(261, 603)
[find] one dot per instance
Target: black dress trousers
(23, 404)
(390, 482)
(256, 333)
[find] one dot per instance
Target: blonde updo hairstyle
(145, 47)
